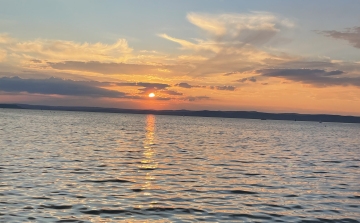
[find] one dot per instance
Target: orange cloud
(58, 50)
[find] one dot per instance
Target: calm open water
(95, 167)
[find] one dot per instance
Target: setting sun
(151, 95)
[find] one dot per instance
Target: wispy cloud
(254, 28)
(352, 35)
(157, 86)
(147, 88)
(230, 73)
(186, 85)
(169, 92)
(197, 98)
(224, 88)
(234, 42)
(242, 80)
(104, 68)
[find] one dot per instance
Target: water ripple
(95, 167)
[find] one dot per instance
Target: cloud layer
(104, 68)
(93, 89)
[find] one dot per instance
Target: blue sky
(106, 21)
(89, 20)
(178, 38)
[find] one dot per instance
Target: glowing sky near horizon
(274, 56)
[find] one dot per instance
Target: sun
(151, 95)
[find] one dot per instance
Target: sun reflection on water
(149, 153)
(149, 163)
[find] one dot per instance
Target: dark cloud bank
(57, 86)
(315, 77)
(74, 88)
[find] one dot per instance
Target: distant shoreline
(203, 113)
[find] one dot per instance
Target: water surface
(96, 167)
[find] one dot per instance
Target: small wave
(250, 216)
(193, 190)
(137, 190)
(331, 161)
(77, 161)
(146, 211)
(108, 180)
(82, 172)
(242, 192)
(187, 210)
(251, 174)
(291, 195)
(344, 220)
(57, 206)
(146, 168)
(69, 220)
(324, 211)
(108, 211)
(41, 198)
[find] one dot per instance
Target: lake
(58, 166)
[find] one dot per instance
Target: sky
(263, 55)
